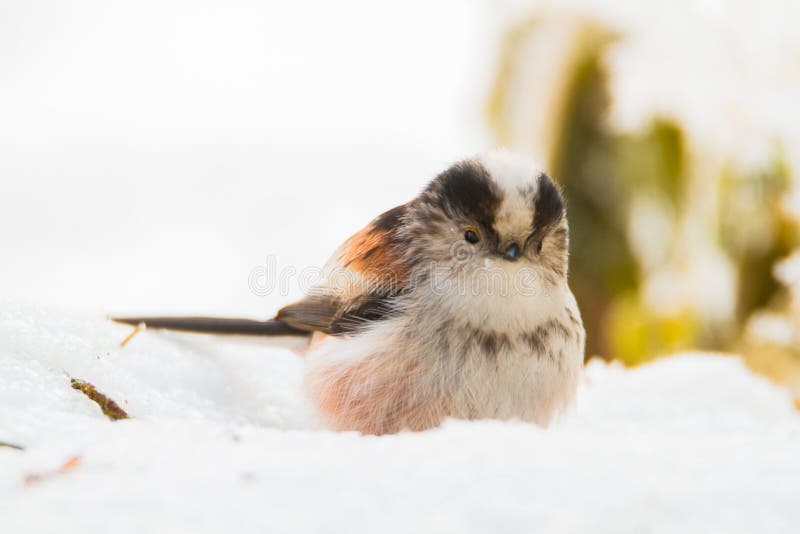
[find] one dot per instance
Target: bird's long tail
(216, 325)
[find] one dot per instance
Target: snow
(221, 439)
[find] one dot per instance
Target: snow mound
(221, 439)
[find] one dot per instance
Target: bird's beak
(511, 252)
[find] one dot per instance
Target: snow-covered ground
(220, 440)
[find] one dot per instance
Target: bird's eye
(472, 235)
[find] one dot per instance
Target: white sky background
(153, 153)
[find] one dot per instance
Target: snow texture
(220, 440)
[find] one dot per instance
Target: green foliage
(755, 232)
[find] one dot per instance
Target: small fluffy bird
(455, 304)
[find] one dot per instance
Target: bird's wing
(362, 280)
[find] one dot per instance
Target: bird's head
(496, 211)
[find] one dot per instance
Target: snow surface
(221, 441)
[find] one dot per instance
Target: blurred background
(153, 154)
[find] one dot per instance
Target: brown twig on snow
(110, 408)
(138, 328)
(66, 467)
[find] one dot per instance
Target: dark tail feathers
(216, 325)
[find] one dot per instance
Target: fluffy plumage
(455, 304)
